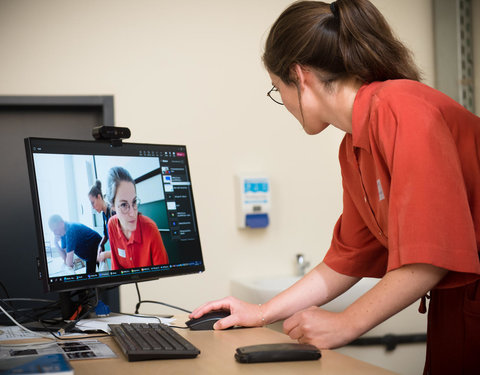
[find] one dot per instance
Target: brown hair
(347, 38)
(115, 176)
(96, 189)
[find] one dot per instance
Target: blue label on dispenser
(256, 220)
(255, 186)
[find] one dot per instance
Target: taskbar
(114, 273)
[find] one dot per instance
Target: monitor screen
(108, 215)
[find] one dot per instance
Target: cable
(138, 293)
(23, 327)
(4, 289)
(50, 334)
(26, 314)
(151, 317)
(137, 306)
(161, 303)
(142, 316)
(50, 303)
(19, 314)
(72, 324)
(30, 299)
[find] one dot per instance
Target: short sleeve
(354, 250)
(113, 243)
(429, 214)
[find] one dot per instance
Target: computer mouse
(206, 321)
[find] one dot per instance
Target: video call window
(64, 182)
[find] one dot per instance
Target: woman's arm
(69, 259)
(395, 291)
(318, 287)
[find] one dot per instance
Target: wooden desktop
(217, 357)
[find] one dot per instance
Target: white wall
(190, 73)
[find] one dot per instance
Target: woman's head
(347, 39)
(96, 197)
(116, 175)
(122, 195)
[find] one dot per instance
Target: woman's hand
(321, 328)
(241, 313)
(396, 290)
(99, 254)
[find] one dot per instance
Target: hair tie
(334, 9)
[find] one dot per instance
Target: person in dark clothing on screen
(75, 238)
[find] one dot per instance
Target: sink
(262, 289)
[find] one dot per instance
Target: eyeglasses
(274, 94)
(125, 207)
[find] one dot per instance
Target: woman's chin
(315, 130)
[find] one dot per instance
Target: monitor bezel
(107, 281)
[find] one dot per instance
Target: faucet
(301, 265)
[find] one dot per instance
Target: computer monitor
(152, 228)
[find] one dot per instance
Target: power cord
(137, 306)
(46, 336)
(27, 314)
(72, 323)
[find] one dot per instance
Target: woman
(98, 203)
(134, 239)
(411, 176)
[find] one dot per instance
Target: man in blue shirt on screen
(75, 238)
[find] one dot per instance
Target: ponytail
(368, 46)
(344, 39)
(96, 189)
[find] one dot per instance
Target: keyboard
(144, 341)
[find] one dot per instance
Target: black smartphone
(277, 353)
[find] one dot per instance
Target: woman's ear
(299, 74)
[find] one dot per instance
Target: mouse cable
(150, 317)
(160, 303)
(142, 316)
(137, 306)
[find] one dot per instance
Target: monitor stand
(71, 308)
(73, 305)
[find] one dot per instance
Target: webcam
(110, 132)
(114, 134)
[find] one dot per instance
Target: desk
(216, 357)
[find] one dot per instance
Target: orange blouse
(144, 248)
(411, 179)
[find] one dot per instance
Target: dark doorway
(71, 117)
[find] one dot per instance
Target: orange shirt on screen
(411, 178)
(144, 248)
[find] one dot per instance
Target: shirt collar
(136, 236)
(361, 116)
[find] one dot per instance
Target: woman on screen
(134, 239)
(98, 203)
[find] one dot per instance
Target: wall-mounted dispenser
(253, 201)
